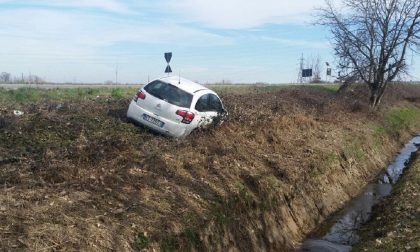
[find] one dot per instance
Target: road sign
(168, 69)
(307, 72)
(168, 57)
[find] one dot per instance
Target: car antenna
(179, 80)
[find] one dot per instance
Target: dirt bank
(76, 176)
(395, 225)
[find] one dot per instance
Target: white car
(175, 106)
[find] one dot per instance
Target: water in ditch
(342, 233)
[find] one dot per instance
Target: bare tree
(5, 77)
(35, 79)
(371, 39)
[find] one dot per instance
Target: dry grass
(77, 176)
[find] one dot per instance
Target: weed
(3, 122)
(21, 95)
(244, 195)
(271, 186)
(167, 245)
(34, 95)
(399, 119)
(220, 216)
(218, 211)
(192, 236)
(379, 133)
(141, 241)
(354, 150)
(91, 91)
(328, 160)
(117, 93)
(244, 89)
(332, 88)
(79, 92)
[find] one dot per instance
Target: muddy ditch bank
(76, 175)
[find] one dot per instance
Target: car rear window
(169, 93)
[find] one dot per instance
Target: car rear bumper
(170, 128)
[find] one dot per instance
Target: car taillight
(140, 95)
(187, 116)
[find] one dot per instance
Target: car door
(209, 108)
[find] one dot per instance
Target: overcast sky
(211, 40)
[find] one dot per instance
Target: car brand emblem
(158, 106)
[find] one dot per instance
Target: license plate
(153, 120)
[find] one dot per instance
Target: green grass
(270, 190)
(328, 160)
(379, 132)
(167, 245)
(219, 216)
(332, 88)
(244, 195)
(400, 119)
(76, 92)
(141, 241)
(192, 236)
(117, 93)
(354, 150)
(244, 88)
(20, 95)
(34, 95)
(395, 121)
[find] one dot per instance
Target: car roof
(184, 84)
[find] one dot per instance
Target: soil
(76, 175)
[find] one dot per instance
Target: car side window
(202, 103)
(208, 102)
(215, 104)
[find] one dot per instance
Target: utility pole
(116, 74)
(300, 78)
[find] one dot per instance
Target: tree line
(6, 77)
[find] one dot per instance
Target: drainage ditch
(339, 233)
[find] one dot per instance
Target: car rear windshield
(169, 93)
